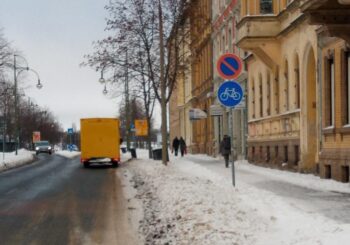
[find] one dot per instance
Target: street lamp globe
(39, 85)
(102, 80)
(105, 91)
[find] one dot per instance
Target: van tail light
(116, 159)
(82, 160)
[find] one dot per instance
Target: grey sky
(54, 35)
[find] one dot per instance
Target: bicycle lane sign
(230, 93)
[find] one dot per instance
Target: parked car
(43, 146)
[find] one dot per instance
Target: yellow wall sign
(141, 128)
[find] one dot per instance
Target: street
(57, 201)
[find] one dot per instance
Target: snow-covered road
(192, 201)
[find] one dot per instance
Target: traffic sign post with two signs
(230, 93)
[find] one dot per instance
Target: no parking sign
(229, 66)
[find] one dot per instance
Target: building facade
(283, 120)
(180, 101)
(333, 28)
(201, 74)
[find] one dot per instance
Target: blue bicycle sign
(230, 93)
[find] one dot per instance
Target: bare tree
(141, 28)
(6, 52)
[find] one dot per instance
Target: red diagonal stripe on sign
(229, 66)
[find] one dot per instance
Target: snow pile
(186, 203)
(68, 154)
(12, 160)
(182, 208)
(304, 180)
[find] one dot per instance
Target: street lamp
(127, 111)
(103, 81)
(17, 70)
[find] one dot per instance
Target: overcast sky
(54, 35)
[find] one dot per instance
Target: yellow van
(99, 139)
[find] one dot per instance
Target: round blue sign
(230, 93)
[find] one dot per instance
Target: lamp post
(126, 88)
(17, 70)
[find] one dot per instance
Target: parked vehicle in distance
(42, 146)
(100, 139)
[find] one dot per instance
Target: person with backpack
(176, 143)
(225, 149)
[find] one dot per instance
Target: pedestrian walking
(225, 148)
(182, 146)
(176, 143)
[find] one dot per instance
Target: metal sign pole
(230, 94)
(2, 130)
(233, 173)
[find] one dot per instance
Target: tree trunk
(149, 142)
(162, 87)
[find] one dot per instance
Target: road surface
(56, 201)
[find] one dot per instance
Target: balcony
(333, 16)
(253, 30)
(258, 34)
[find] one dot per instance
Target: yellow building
(180, 101)
(202, 86)
(283, 121)
(333, 21)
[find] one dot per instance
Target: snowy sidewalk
(186, 203)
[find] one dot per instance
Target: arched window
(297, 81)
(277, 92)
(268, 91)
(266, 7)
(252, 97)
(286, 85)
(261, 102)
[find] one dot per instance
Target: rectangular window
(268, 96)
(285, 153)
(347, 77)
(296, 152)
(329, 92)
(266, 7)
(261, 103)
(332, 92)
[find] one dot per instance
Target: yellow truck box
(99, 139)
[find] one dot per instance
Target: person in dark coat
(176, 143)
(225, 148)
(182, 146)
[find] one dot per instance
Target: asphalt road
(56, 201)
